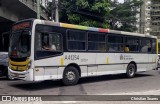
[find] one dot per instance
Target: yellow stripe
(19, 63)
(20, 68)
(62, 61)
(67, 25)
(12, 67)
(157, 46)
(107, 60)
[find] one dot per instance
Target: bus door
(92, 68)
(147, 47)
(152, 57)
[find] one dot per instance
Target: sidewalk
(153, 92)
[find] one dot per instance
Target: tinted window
(47, 43)
(115, 39)
(151, 43)
(96, 42)
(153, 47)
(144, 47)
(148, 45)
(76, 40)
(132, 44)
(20, 44)
(115, 43)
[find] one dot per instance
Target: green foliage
(84, 12)
(100, 13)
(124, 15)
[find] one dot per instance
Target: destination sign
(20, 26)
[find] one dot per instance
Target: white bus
(44, 50)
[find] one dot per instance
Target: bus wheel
(6, 74)
(70, 76)
(131, 71)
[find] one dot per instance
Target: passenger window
(144, 47)
(48, 44)
(96, 42)
(132, 43)
(115, 43)
(76, 40)
(151, 46)
(148, 45)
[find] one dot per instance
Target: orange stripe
(102, 30)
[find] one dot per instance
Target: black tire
(70, 76)
(131, 71)
(4, 71)
(6, 74)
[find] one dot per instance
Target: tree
(123, 16)
(84, 12)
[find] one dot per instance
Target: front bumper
(23, 75)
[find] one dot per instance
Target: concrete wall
(14, 10)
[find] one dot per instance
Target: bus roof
(80, 27)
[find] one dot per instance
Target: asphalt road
(109, 84)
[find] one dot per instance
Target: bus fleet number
(72, 57)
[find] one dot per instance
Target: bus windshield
(20, 44)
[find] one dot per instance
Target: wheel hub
(131, 71)
(70, 76)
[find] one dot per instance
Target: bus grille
(18, 66)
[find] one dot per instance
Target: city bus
(4, 45)
(45, 50)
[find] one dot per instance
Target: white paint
(111, 72)
(91, 64)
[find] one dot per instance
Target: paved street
(110, 84)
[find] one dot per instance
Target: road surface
(102, 85)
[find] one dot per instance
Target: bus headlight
(29, 64)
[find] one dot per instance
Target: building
(150, 18)
(137, 23)
(14, 10)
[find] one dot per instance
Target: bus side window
(115, 43)
(144, 46)
(132, 44)
(149, 49)
(151, 46)
(49, 42)
(76, 40)
(45, 41)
